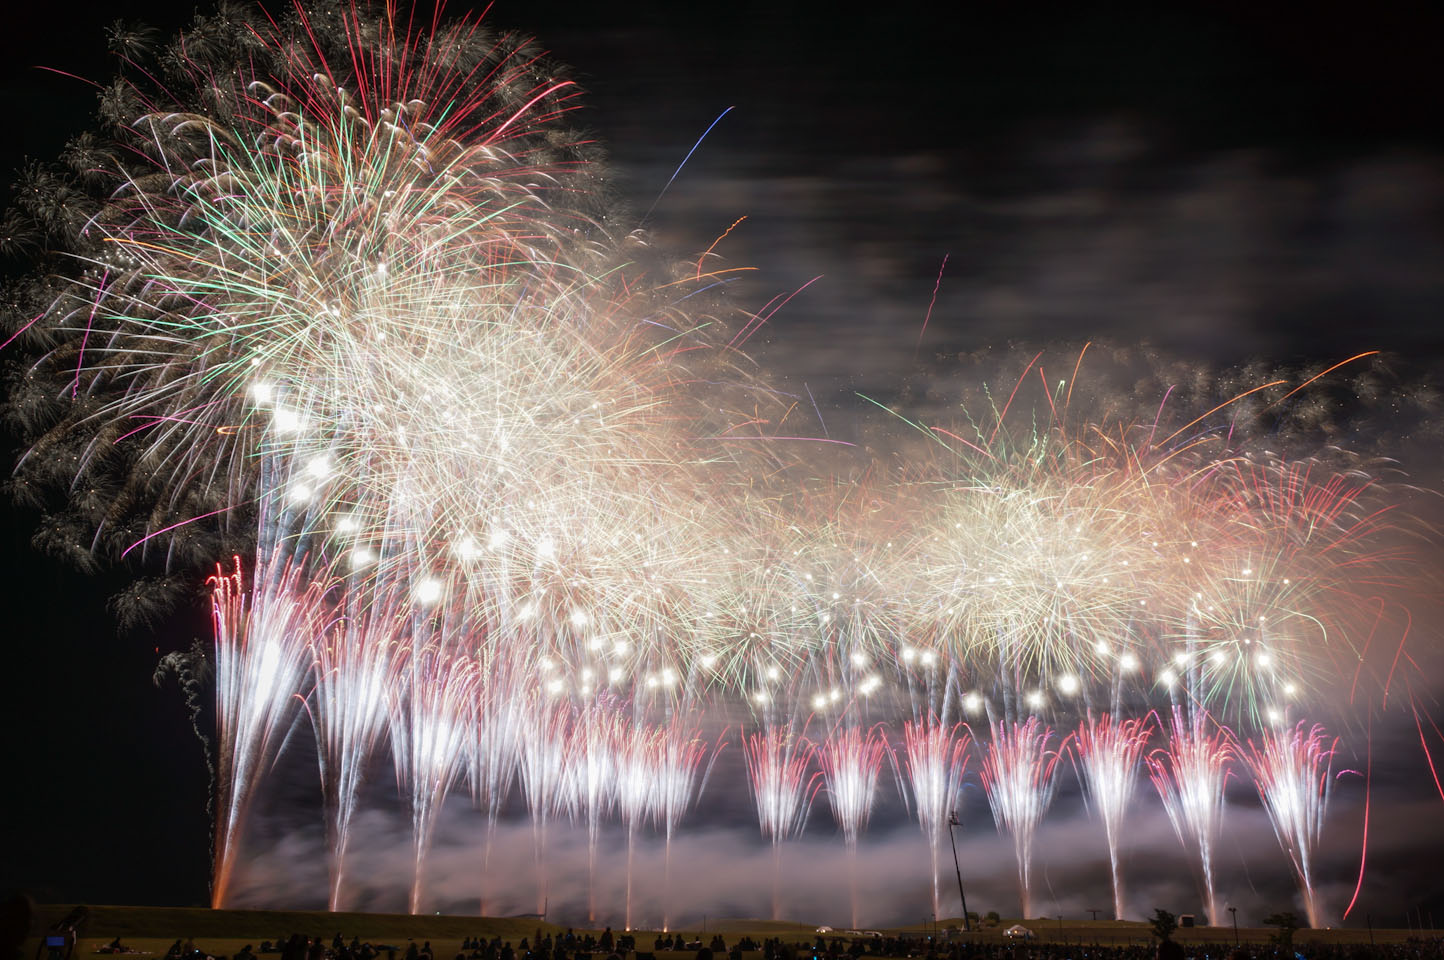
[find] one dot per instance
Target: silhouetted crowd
(609, 946)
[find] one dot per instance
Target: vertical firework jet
(259, 668)
(1293, 770)
(1019, 776)
(544, 759)
(1109, 752)
(431, 723)
(935, 756)
(637, 791)
(851, 758)
(683, 753)
(1190, 774)
(355, 667)
(777, 762)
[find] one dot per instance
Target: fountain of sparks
(935, 756)
(777, 763)
(1109, 752)
(1190, 775)
(1293, 771)
(1019, 776)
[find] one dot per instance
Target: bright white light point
(708, 661)
(669, 676)
(972, 703)
(836, 596)
(346, 523)
(1101, 648)
(909, 654)
(1128, 662)
(929, 658)
(1167, 678)
(1068, 683)
(466, 548)
(1264, 660)
(546, 663)
(772, 673)
(526, 612)
(497, 539)
(546, 548)
(835, 695)
(579, 618)
(819, 702)
(1274, 716)
(616, 675)
(1035, 699)
(621, 647)
(361, 557)
(301, 493)
(319, 467)
(286, 421)
(1247, 571)
(263, 392)
(1218, 656)
(760, 696)
(859, 660)
(586, 674)
(428, 591)
(1290, 689)
(651, 682)
(555, 687)
(1180, 658)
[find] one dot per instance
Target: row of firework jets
(588, 678)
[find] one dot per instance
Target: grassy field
(222, 932)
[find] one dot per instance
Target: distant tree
(1163, 924)
(993, 918)
(1287, 923)
(973, 919)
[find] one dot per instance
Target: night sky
(1227, 181)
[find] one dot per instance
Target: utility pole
(953, 822)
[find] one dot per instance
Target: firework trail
(1293, 770)
(777, 762)
(1190, 775)
(260, 662)
(1109, 752)
(1019, 775)
(355, 666)
(935, 756)
(850, 759)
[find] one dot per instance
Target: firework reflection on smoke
(1109, 752)
(1019, 774)
(777, 764)
(935, 756)
(544, 760)
(1293, 771)
(1190, 774)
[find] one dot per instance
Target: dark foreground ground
(150, 932)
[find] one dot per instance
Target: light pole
(1233, 912)
(953, 822)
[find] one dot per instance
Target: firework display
(349, 303)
